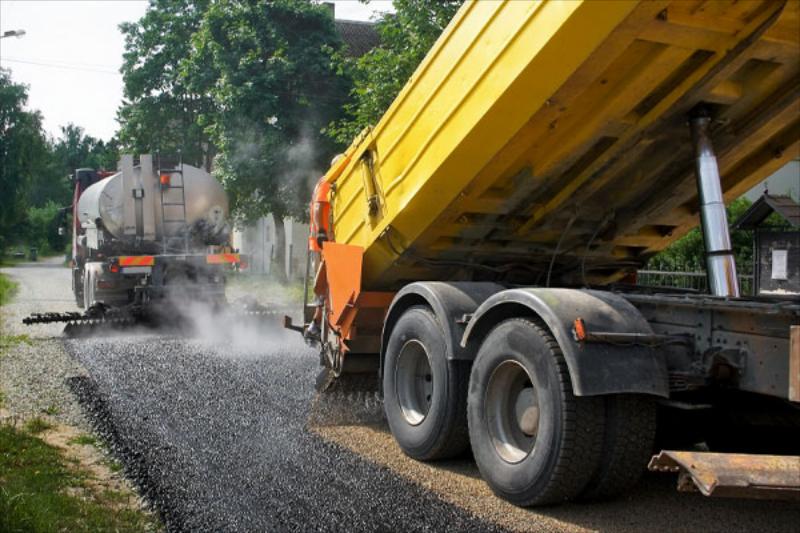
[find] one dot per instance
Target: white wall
(257, 243)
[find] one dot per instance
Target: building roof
(359, 37)
(765, 206)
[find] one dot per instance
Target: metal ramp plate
(735, 475)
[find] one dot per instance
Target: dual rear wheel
(425, 396)
(534, 442)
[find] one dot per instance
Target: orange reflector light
(137, 260)
(221, 259)
(579, 330)
(114, 267)
(165, 180)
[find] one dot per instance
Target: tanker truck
(151, 236)
(475, 252)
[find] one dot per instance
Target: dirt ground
(654, 504)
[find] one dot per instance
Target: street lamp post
(13, 33)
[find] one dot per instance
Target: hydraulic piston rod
(720, 263)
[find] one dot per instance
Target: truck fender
(449, 302)
(595, 367)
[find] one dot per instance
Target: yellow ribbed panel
(496, 63)
(576, 107)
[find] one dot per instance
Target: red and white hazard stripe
(136, 260)
(221, 259)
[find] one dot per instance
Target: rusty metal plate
(735, 475)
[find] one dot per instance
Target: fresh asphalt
(217, 438)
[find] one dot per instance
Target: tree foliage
(42, 225)
(378, 76)
(687, 254)
(274, 88)
(23, 148)
(162, 107)
(34, 170)
(72, 149)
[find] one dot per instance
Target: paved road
(214, 429)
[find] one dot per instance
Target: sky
(72, 51)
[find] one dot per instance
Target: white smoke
(234, 333)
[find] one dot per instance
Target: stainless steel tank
(204, 198)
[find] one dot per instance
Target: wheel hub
(512, 409)
(527, 412)
(414, 382)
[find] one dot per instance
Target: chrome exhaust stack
(720, 263)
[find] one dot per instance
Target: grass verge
(84, 440)
(39, 492)
(7, 289)
(37, 425)
(9, 341)
(266, 289)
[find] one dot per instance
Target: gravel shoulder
(35, 373)
(34, 370)
(654, 504)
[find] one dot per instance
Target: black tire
(630, 431)
(554, 460)
(437, 430)
(88, 289)
(77, 287)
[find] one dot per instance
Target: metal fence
(687, 280)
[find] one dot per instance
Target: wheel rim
(512, 411)
(414, 382)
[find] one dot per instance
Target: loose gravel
(218, 439)
(653, 505)
(33, 372)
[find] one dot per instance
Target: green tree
(41, 228)
(73, 149)
(688, 252)
(23, 154)
(274, 85)
(162, 107)
(378, 76)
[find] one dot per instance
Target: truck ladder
(177, 206)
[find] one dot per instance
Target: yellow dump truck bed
(536, 126)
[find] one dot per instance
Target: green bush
(7, 289)
(42, 231)
(687, 254)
